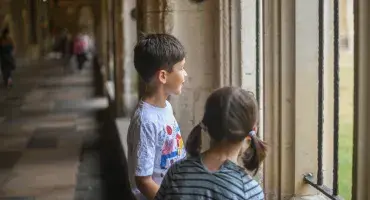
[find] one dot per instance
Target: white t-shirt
(154, 143)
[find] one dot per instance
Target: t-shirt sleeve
(169, 106)
(146, 149)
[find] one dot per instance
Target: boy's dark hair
(230, 114)
(154, 52)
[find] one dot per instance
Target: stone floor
(48, 131)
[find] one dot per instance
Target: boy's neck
(158, 99)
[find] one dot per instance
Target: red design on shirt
(168, 147)
(169, 130)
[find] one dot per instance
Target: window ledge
(109, 87)
(122, 125)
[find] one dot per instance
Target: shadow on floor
(103, 167)
(114, 161)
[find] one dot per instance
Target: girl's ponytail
(194, 141)
(254, 155)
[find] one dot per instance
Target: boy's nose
(185, 73)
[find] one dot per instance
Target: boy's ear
(162, 76)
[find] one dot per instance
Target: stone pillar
(118, 50)
(35, 42)
(236, 47)
(103, 41)
(290, 97)
(43, 27)
(130, 38)
(20, 30)
(126, 36)
(227, 44)
(361, 156)
(110, 56)
(106, 38)
(273, 176)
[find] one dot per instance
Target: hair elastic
(252, 133)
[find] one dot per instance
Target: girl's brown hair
(230, 114)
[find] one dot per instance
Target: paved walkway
(47, 134)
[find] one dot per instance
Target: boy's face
(174, 81)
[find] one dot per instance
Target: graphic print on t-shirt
(173, 146)
(180, 144)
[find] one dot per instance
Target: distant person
(67, 50)
(230, 119)
(64, 39)
(81, 47)
(7, 60)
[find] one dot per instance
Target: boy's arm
(146, 151)
(147, 186)
(166, 183)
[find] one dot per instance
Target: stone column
(43, 33)
(20, 30)
(110, 56)
(236, 50)
(290, 78)
(361, 156)
(118, 50)
(130, 37)
(103, 41)
(273, 177)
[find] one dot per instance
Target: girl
(230, 119)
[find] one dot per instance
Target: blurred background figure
(7, 60)
(82, 47)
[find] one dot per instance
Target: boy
(154, 139)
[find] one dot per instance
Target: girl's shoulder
(252, 188)
(188, 161)
(187, 164)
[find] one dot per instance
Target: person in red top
(80, 48)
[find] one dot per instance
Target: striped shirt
(189, 179)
